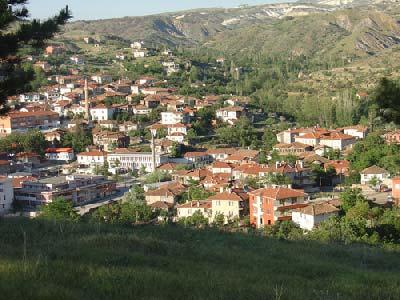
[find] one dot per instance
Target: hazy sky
(101, 9)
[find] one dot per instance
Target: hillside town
(102, 136)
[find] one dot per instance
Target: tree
(157, 176)
(176, 150)
(29, 32)
(135, 195)
(269, 139)
(386, 96)
(60, 210)
(284, 230)
(197, 219)
(77, 139)
(374, 182)
(276, 179)
(219, 220)
(350, 197)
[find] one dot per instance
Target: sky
(103, 9)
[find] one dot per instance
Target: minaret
(87, 111)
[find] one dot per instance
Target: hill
(189, 27)
(84, 261)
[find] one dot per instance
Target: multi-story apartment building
(76, 188)
(22, 121)
(132, 160)
(270, 205)
(6, 195)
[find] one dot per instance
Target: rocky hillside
(350, 33)
(190, 27)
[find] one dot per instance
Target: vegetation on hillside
(95, 261)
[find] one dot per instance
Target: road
(122, 188)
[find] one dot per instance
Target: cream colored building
(189, 208)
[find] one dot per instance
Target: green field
(84, 261)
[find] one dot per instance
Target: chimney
(277, 164)
(221, 189)
(198, 203)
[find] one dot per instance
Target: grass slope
(82, 261)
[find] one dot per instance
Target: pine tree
(17, 31)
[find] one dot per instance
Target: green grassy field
(83, 261)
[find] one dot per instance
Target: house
(221, 167)
(146, 80)
(176, 137)
(376, 172)
(337, 140)
(31, 98)
(294, 148)
(108, 124)
(91, 158)
(141, 110)
(55, 135)
(220, 154)
(189, 208)
(132, 160)
(198, 158)
(6, 195)
(78, 189)
(101, 112)
(392, 137)
(108, 140)
(77, 59)
(313, 214)
(60, 154)
(310, 138)
(289, 136)
(140, 53)
(230, 114)
(102, 78)
(396, 190)
(174, 117)
(54, 50)
(168, 193)
(270, 205)
(230, 204)
(243, 156)
(128, 126)
(358, 131)
(23, 121)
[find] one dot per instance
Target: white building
(60, 154)
(310, 216)
(101, 112)
(176, 137)
(102, 78)
(6, 195)
(92, 158)
(359, 132)
(230, 114)
(374, 172)
(337, 141)
(140, 53)
(173, 117)
(132, 160)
